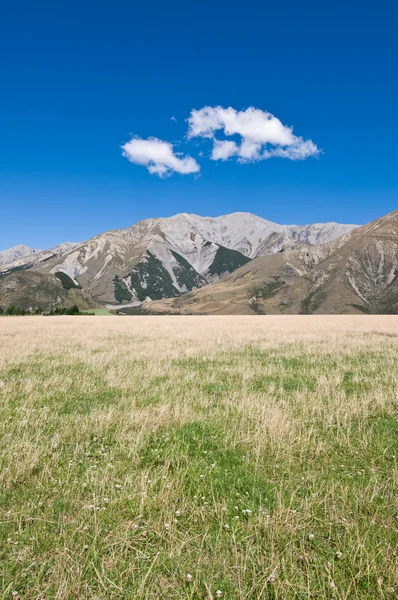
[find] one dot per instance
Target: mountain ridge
(13, 257)
(14, 253)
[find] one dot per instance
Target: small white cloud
(300, 151)
(158, 157)
(223, 150)
(262, 135)
(173, 118)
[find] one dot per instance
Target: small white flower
(189, 577)
(311, 536)
(118, 486)
(106, 500)
(85, 546)
(339, 554)
(218, 593)
(226, 526)
(178, 513)
(167, 525)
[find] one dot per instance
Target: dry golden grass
(178, 457)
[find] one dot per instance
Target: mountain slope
(362, 274)
(242, 292)
(29, 289)
(135, 259)
(356, 273)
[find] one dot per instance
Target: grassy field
(199, 458)
(100, 311)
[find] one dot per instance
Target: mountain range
(236, 263)
(355, 273)
(151, 260)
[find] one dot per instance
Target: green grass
(131, 459)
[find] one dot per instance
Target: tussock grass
(178, 457)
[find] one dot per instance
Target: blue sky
(81, 79)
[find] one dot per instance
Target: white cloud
(158, 157)
(262, 135)
(223, 150)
